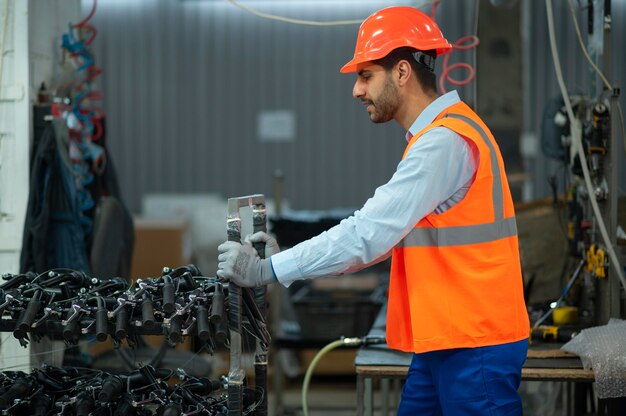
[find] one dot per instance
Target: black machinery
(67, 304)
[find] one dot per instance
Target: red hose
(458, 45)
(445, 73)
(89, 16)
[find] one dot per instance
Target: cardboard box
(160, 242)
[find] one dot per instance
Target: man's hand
(271, 245)
(241, 264)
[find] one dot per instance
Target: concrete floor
(336, 396)
(335, 400)
(328, 396)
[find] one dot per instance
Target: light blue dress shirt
(435, 175)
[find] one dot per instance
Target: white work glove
(241, 264)
(271, 245)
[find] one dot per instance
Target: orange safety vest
(456, 279)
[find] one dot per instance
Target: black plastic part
(16, 331)
(15, 281)
(121, 324)
(190, 268)
(48, 382)
(173, 409)
(40, 404)
(19, 390)
(79, 278)
(191, 283)
(147, 313)
(125, 407)
(140, 378)
(111, 389)
(66, 290)
(202, 322)
(148, 373)
(204, 386)
(221, 331)
(70, 331)
(102, 324)
(217, 304)
(27, 319)
(84, 404)
(175, 333)
(168, 297)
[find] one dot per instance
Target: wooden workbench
(543, 363)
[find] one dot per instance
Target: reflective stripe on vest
(468, 234)
(460, 235)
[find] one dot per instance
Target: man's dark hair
(425, 76)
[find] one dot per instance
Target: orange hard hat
(392, 28)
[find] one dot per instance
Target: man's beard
(387, 103)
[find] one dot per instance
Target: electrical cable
(343, 341)
(305, 22)
(309, 372)
(474, 55)
(563, 294)
(576, 132)
(606, 82)
(433, 9)
(445, 73)
(464, 43)
(89, 16)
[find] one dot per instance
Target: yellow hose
(309, 371)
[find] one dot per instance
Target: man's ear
(403, 72)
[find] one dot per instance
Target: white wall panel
(32, 32)
(185, 81)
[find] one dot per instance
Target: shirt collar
(431, 112)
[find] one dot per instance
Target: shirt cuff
(285, 268)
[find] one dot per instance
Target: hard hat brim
(352, 65)
(349, 67)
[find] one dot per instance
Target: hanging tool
(553, 333)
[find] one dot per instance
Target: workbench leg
(360, 400)
(369, 397)
(384, 392)
(581, 400)
(612, 407)
(278, 382)
(565, 407)
(396, 390)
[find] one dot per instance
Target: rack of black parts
(79, 391)
(67, 304)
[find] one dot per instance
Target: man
(446, 217)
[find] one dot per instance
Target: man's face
(375, 88)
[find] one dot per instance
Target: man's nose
(358, 90)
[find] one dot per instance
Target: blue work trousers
(480, 381)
